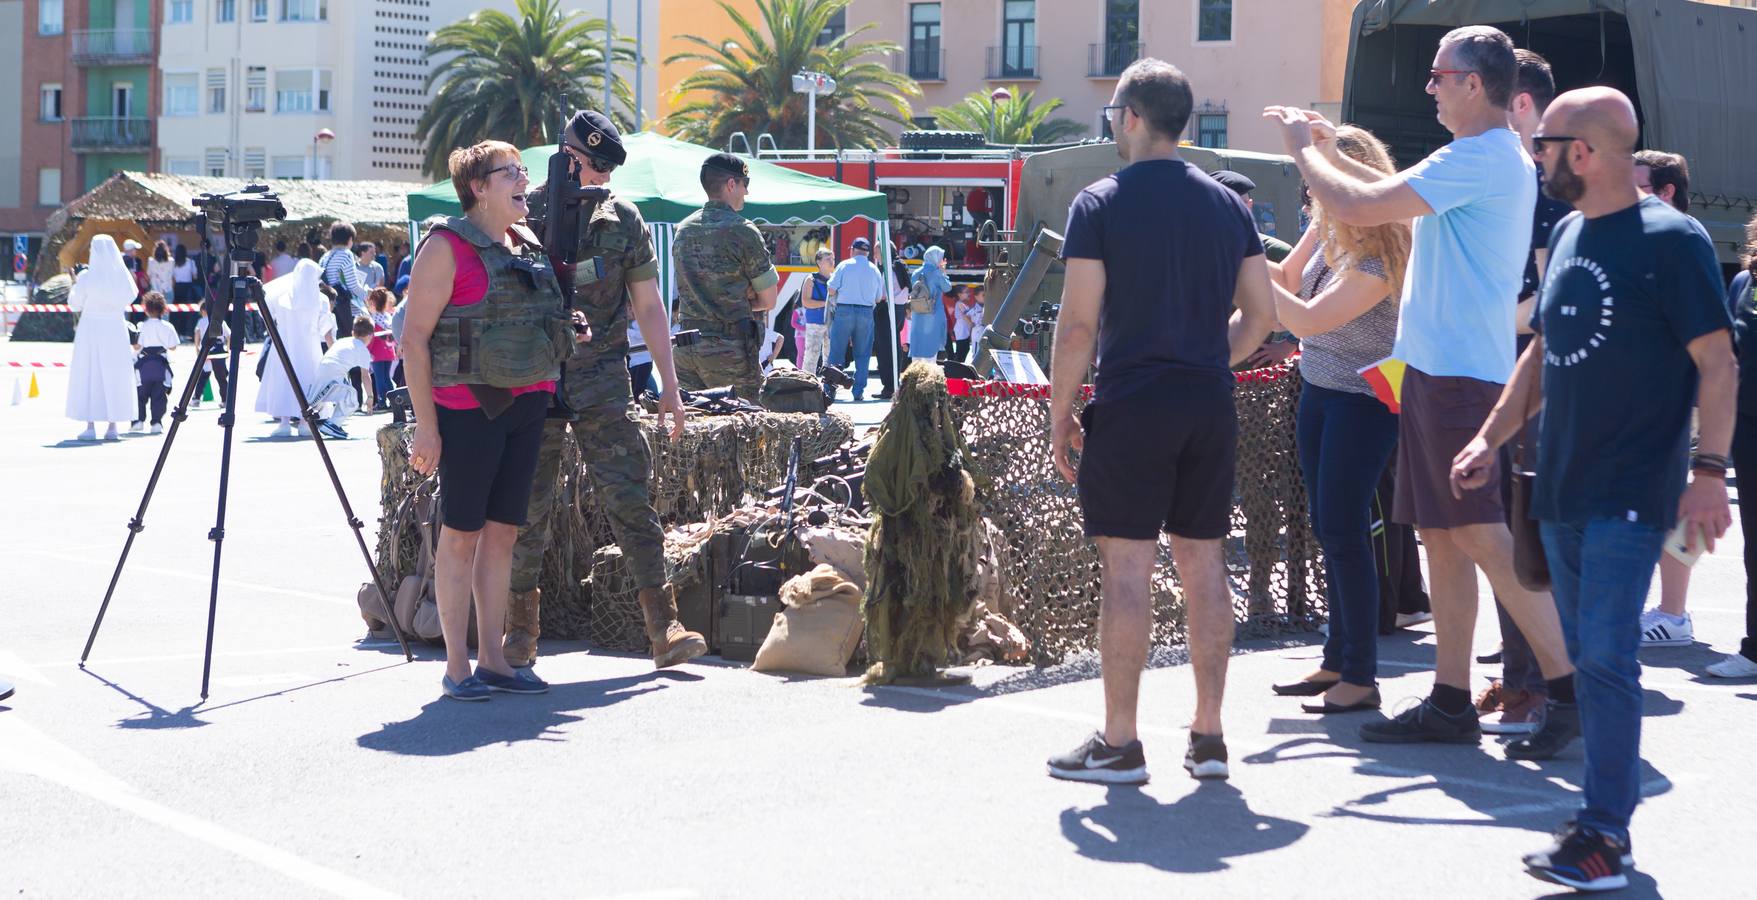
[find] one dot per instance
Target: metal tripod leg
(310, 417)
(138, 523)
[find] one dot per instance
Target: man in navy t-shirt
(1630, 323)
(1158, 257)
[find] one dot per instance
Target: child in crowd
(216, 353)
(380, 307)
(333, 387)
(152, 367)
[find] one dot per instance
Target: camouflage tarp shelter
(144, 205)
(1690, 68)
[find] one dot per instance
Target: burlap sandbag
(817, 632)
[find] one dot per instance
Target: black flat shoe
(1370, 701)
(1304, 688)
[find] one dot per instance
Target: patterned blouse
(1334, 359)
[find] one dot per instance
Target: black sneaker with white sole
(1206, 757)
(1098, 762)
(1582, 859)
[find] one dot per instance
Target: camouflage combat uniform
(612, 446)
(721, 265)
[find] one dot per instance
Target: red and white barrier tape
(60, 308)
(37, 365)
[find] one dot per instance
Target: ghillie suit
(921, 570)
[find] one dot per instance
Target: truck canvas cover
(1691, 69)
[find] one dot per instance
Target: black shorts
(486, 465)
(1160, 458)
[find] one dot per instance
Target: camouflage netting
(704, 475)
(1272, 555)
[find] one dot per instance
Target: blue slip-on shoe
(471, 688)
(524, 682)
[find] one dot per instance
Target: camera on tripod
(241, 214)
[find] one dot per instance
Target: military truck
(1047, 186)
(1689, 67)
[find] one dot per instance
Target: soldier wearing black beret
(725, 283)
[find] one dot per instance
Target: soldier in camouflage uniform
(595, 386)
(725, 281)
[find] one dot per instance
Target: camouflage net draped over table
(1273, 561)
(705, 474)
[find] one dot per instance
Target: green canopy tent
(663, 179)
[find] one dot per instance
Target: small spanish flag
(1386, 379)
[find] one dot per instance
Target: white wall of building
(264, 84)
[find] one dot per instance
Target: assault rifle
(565, 206)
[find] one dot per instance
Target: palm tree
(747, 85)
(1015, 120)
(516, 80)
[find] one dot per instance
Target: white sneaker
(300, 429)
(284, 429)
(110, 433)
(158, 429)
(133, 427)
(1734, 665)
(90, 434)
(1410, 620)
(1661, 629)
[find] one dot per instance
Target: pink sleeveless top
(468, 286)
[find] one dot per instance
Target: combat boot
(672, 643)
(522, 627)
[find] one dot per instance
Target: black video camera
(241, 214)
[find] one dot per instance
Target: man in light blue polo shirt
(855, 287)
(1471, 202)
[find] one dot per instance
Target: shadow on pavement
(1641, 884)
(445, 727)
(155, 716)
(71, 443)
(1198, 833)
(1503, 794)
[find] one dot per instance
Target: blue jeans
(852, 323)
(1599, 573)
(1345, 441)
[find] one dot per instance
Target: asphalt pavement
(321, 766)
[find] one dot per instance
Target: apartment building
(295, 88)
(1240, 55)
(83, 99)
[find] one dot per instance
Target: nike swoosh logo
(1091, 763)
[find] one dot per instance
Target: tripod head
(240, 215)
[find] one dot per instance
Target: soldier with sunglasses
(725, 283)
(615, 276)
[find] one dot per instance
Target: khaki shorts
(1440, 415)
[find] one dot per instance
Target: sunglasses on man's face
(1538, 140)
(601, 166)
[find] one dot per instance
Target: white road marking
(31, 752)
(205, 577)
(18, 670)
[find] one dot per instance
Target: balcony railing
(1109, 60)
(1012, 61)
(112, 134)
(112, 46)
(920, 64)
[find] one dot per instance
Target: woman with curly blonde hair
(1338, 292)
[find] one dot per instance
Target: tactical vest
(518, 334)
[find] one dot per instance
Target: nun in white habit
(101, 386)
(302, 316)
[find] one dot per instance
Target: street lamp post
(323, 136)
(811, 84)
(1000, 95)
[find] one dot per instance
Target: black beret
(1238, 181)
(597, 135)
(726, 162)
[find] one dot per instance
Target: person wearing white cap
(101, 387)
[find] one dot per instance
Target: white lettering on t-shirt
(1555, 350)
